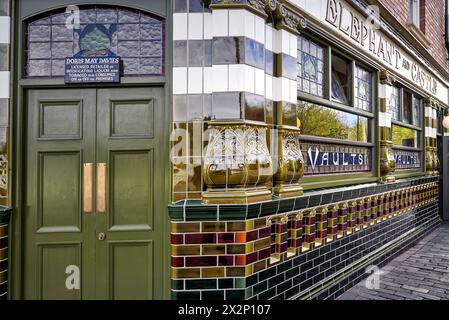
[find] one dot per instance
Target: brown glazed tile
(213, 227)
(236, 226)
(186, 273)
(185, 227)
(208, 249)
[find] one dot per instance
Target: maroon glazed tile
(227, 237)
(199, 238)
(177, 261)
(252, 235)
(284, 246)
(225, 260)
(264, 232)
(207, 261)
(264, 253)
(177, 238)
(252, 257)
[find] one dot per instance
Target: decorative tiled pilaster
(387, 162)
(5, 25)
(431, 154)
(286, 147)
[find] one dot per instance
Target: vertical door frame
(18, 143)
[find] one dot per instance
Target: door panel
(59, 200)
(118, 243)
(138, 284)
(128, 146)
(58, 234)
(52, 259)
(131, 195)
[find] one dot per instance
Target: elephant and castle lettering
(366, 33)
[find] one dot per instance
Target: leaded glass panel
(135, 36)
(417, 111)
(363, 89)
(310, 67)
(394, 104)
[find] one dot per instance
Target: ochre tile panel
(3, 276)
(262, 243)
(3, 231)
(186, 273)
(185, 250)
(213, 272)
(3, 254)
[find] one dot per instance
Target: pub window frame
(418, 128)
(340, 179)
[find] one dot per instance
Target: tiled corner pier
(310, 247)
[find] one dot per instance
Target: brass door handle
(101, 187)
(87, 192)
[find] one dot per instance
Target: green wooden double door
(94, 174)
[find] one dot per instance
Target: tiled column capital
(386, 78)
(286, 18)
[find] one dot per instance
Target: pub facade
(220, 149)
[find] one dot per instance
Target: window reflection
(405, 137)
(407, 112)
(341, 79)
(316, 120)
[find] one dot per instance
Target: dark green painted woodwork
(57, 233)
(134, 221)
(118, 127)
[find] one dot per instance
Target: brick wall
(432, 25)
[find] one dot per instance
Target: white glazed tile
(259, 82)
(269, 87)
(180, 80)
(293, 45)
(220, 23)
(268, 38)
(207, 80)
(250, 79)
(237, 23)
(5, 23)
(180, 26)
(220, 78)
(250, 25)
(208, 26)
(195, 80)
(236, 78)
(259, 33)
(195, 26)
(293, 91)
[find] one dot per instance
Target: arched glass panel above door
(135, 36)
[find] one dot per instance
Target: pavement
(420, 273)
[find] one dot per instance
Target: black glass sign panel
(92, 70)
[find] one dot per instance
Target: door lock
(101, 236)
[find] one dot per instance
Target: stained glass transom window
(363, 88)
(310, 67)
(135, 36)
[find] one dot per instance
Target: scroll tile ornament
(290, 163)
(237, 163)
